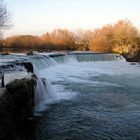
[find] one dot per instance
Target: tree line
(122, 37)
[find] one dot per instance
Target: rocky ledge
(16, 107)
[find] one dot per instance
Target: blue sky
(39, 16)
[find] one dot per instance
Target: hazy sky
(39, 16)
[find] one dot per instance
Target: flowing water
(85, 97)
(90, 100)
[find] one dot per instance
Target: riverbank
(133, 59)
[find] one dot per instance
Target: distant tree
(125, 36)
(122, 37)
(59, 39)
(4, 17)
(23, 42)
(82, 40)
(63, 37)
(102, 39)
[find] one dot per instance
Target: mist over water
(91, 100)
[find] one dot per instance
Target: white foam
(75, 73)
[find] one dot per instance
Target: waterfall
(88, 56)
(84, 56)
(49, 60)
(41, 94)
(65, 59)
(44, 92)
(43, 61)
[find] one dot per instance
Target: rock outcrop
(132, 58)
(16, 107)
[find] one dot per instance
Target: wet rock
(30, 53)
(132, 58)
(2, 92)
(16, 108)
(28, 66)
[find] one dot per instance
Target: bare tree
(4, 17)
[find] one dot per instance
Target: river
(91, 101)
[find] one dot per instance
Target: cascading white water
(97, 57)
(65, 59)
(85, 56)
(42, 95)
(42, 62)
(104, 97)
(44, 92)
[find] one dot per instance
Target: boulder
(16, 108)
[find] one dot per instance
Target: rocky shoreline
(131, 58)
